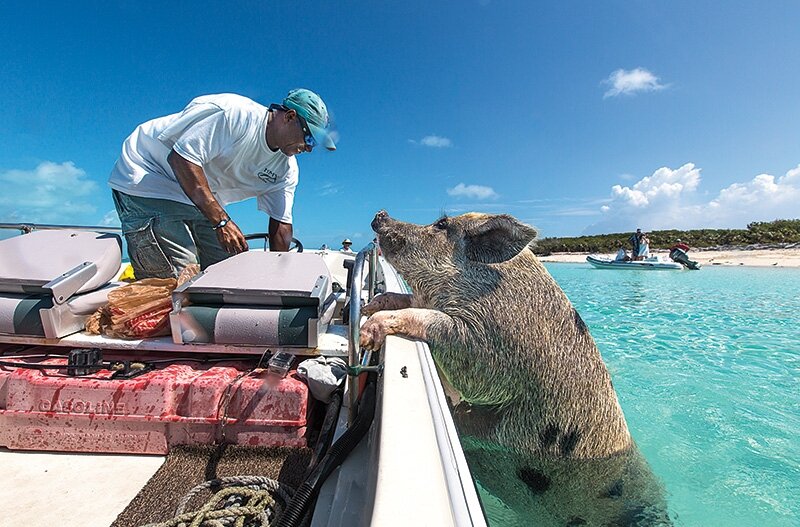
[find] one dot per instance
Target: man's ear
(495, 239)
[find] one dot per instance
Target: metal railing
(358, 363)
(25, 228)
(298, 246)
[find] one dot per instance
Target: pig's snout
(391, 233)
(380, 218)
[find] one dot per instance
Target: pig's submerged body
(539, 419)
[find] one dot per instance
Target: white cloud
(769, 198)
(433, 141)
(110, 219)
(327, 189)
(575, 212)
(669, 199)
(472, 191)
(50, 193)
(664, 184)
(624, 82)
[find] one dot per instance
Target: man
(176, 174)
(346, 243)
(634, 239)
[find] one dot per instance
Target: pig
(533, 401)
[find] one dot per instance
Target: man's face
(294, 141)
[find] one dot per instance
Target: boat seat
(256, 298)
(52, 280)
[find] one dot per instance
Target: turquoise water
(706, 365)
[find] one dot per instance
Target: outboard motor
(679, 255)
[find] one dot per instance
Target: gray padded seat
(256, 298)
(52, 280)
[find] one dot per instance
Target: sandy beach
(750, 258)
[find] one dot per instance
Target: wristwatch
(223, 222)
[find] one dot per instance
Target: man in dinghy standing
(635, 240)
(177, 173)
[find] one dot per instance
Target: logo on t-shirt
(268, 176)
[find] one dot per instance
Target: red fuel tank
(181, 402)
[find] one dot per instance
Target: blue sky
(573, 116)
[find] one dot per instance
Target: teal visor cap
(310, 107)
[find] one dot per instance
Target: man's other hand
(231, 238)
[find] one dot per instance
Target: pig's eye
(441, 224)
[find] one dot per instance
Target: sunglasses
(307, 136)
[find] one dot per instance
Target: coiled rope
(242, 501)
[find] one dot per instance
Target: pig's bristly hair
(497, 239)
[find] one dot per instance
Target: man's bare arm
(280, 235)
(194, 183)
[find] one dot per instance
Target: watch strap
(223, 222)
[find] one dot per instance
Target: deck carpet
(186, 467)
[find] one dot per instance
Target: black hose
(307, 492)
(326, 431)
(7, 364)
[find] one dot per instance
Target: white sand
(753, 258)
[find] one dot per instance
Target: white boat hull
(651, 264)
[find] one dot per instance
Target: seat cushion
(19, 314)
(250, 325)
(30, 261)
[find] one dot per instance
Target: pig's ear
(496, 239)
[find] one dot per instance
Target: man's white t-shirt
(226, 135)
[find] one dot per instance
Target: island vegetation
(758, 234)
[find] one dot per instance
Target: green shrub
(757, 232)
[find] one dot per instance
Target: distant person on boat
(622, 255)
(346, 244)
(177, 173)
(634, 240)
(644, 247)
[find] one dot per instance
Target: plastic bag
(139, 309)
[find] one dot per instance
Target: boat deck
(70, 490)
(186, 467)
(410, 454)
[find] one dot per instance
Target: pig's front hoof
(383, 302)
(373, 332)
(376, 304)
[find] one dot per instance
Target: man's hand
(231, 238)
